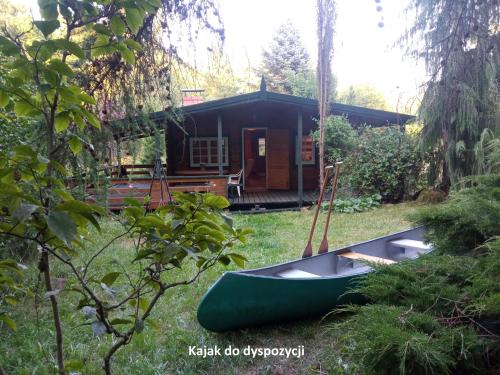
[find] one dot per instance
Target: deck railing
(137, 182)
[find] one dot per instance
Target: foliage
(192, 229)
(305, 84)
(363, 96)
(45, 79)
(438, 313)
(286, 54)
(340, 138)
(386, 162)
(384, 339)
(161, 347)
(458, 39)
(14, 131)
(467, 219)
(351, 205)
(432, 314)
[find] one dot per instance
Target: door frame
(243, 150)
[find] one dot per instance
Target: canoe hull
(241, 300)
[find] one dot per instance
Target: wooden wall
(265, 115)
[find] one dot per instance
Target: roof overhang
(373, 117)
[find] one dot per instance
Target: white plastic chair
(234, 180)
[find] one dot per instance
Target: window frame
(225, 151)
(305, 162)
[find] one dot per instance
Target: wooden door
(278, 159)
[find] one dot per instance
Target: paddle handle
(308, 249)
(323, 248)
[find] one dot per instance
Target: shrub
(351, 205)
(396, 340)
(386, 162)
(438, 313)
(340, 138)
(467, 219)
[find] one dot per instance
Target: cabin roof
(374, 117)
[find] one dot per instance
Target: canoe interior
(333, 264)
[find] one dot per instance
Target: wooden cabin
(266, 135)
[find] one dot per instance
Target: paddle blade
(308, 251)
(323, 247)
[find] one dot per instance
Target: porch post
(219, 144)
(299, 160)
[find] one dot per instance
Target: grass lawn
(163, 349)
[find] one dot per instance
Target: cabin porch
(272, 198)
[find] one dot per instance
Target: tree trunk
(44, 268)
(325, 27)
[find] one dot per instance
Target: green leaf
(25, 109)
(4, 99)
(215, 201)
(134, 19)
(7, 47)
(117, 25)
(102, 29)
(24, 211)
(48, 9)
(224, 260)
(10, 323)
(62, 225)
(91, 119)
(61, 122)
(47, 27)
(84, 97)
(71, 47)
(127, 55)
(11, 300)
(79, 207)
(238, 259)
(75, 144)
(60, 67)
(143, 304)
(110, 278)
(133, 44)
(155, 3)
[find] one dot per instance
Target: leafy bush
(351, 205)
(467, 219)
(386, 162)
(340, 138)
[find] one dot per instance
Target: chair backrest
(235, 178)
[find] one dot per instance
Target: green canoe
(302, 288)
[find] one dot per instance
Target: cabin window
(308, 150)
(262, 147)
(203, 152)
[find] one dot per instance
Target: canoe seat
(293, 273)
(369, 258)
(418, 246)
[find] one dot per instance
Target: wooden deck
(270, 197)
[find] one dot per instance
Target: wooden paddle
(323, 247)
(308, 249)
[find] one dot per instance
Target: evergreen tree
(459, 40)
(286, 54)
